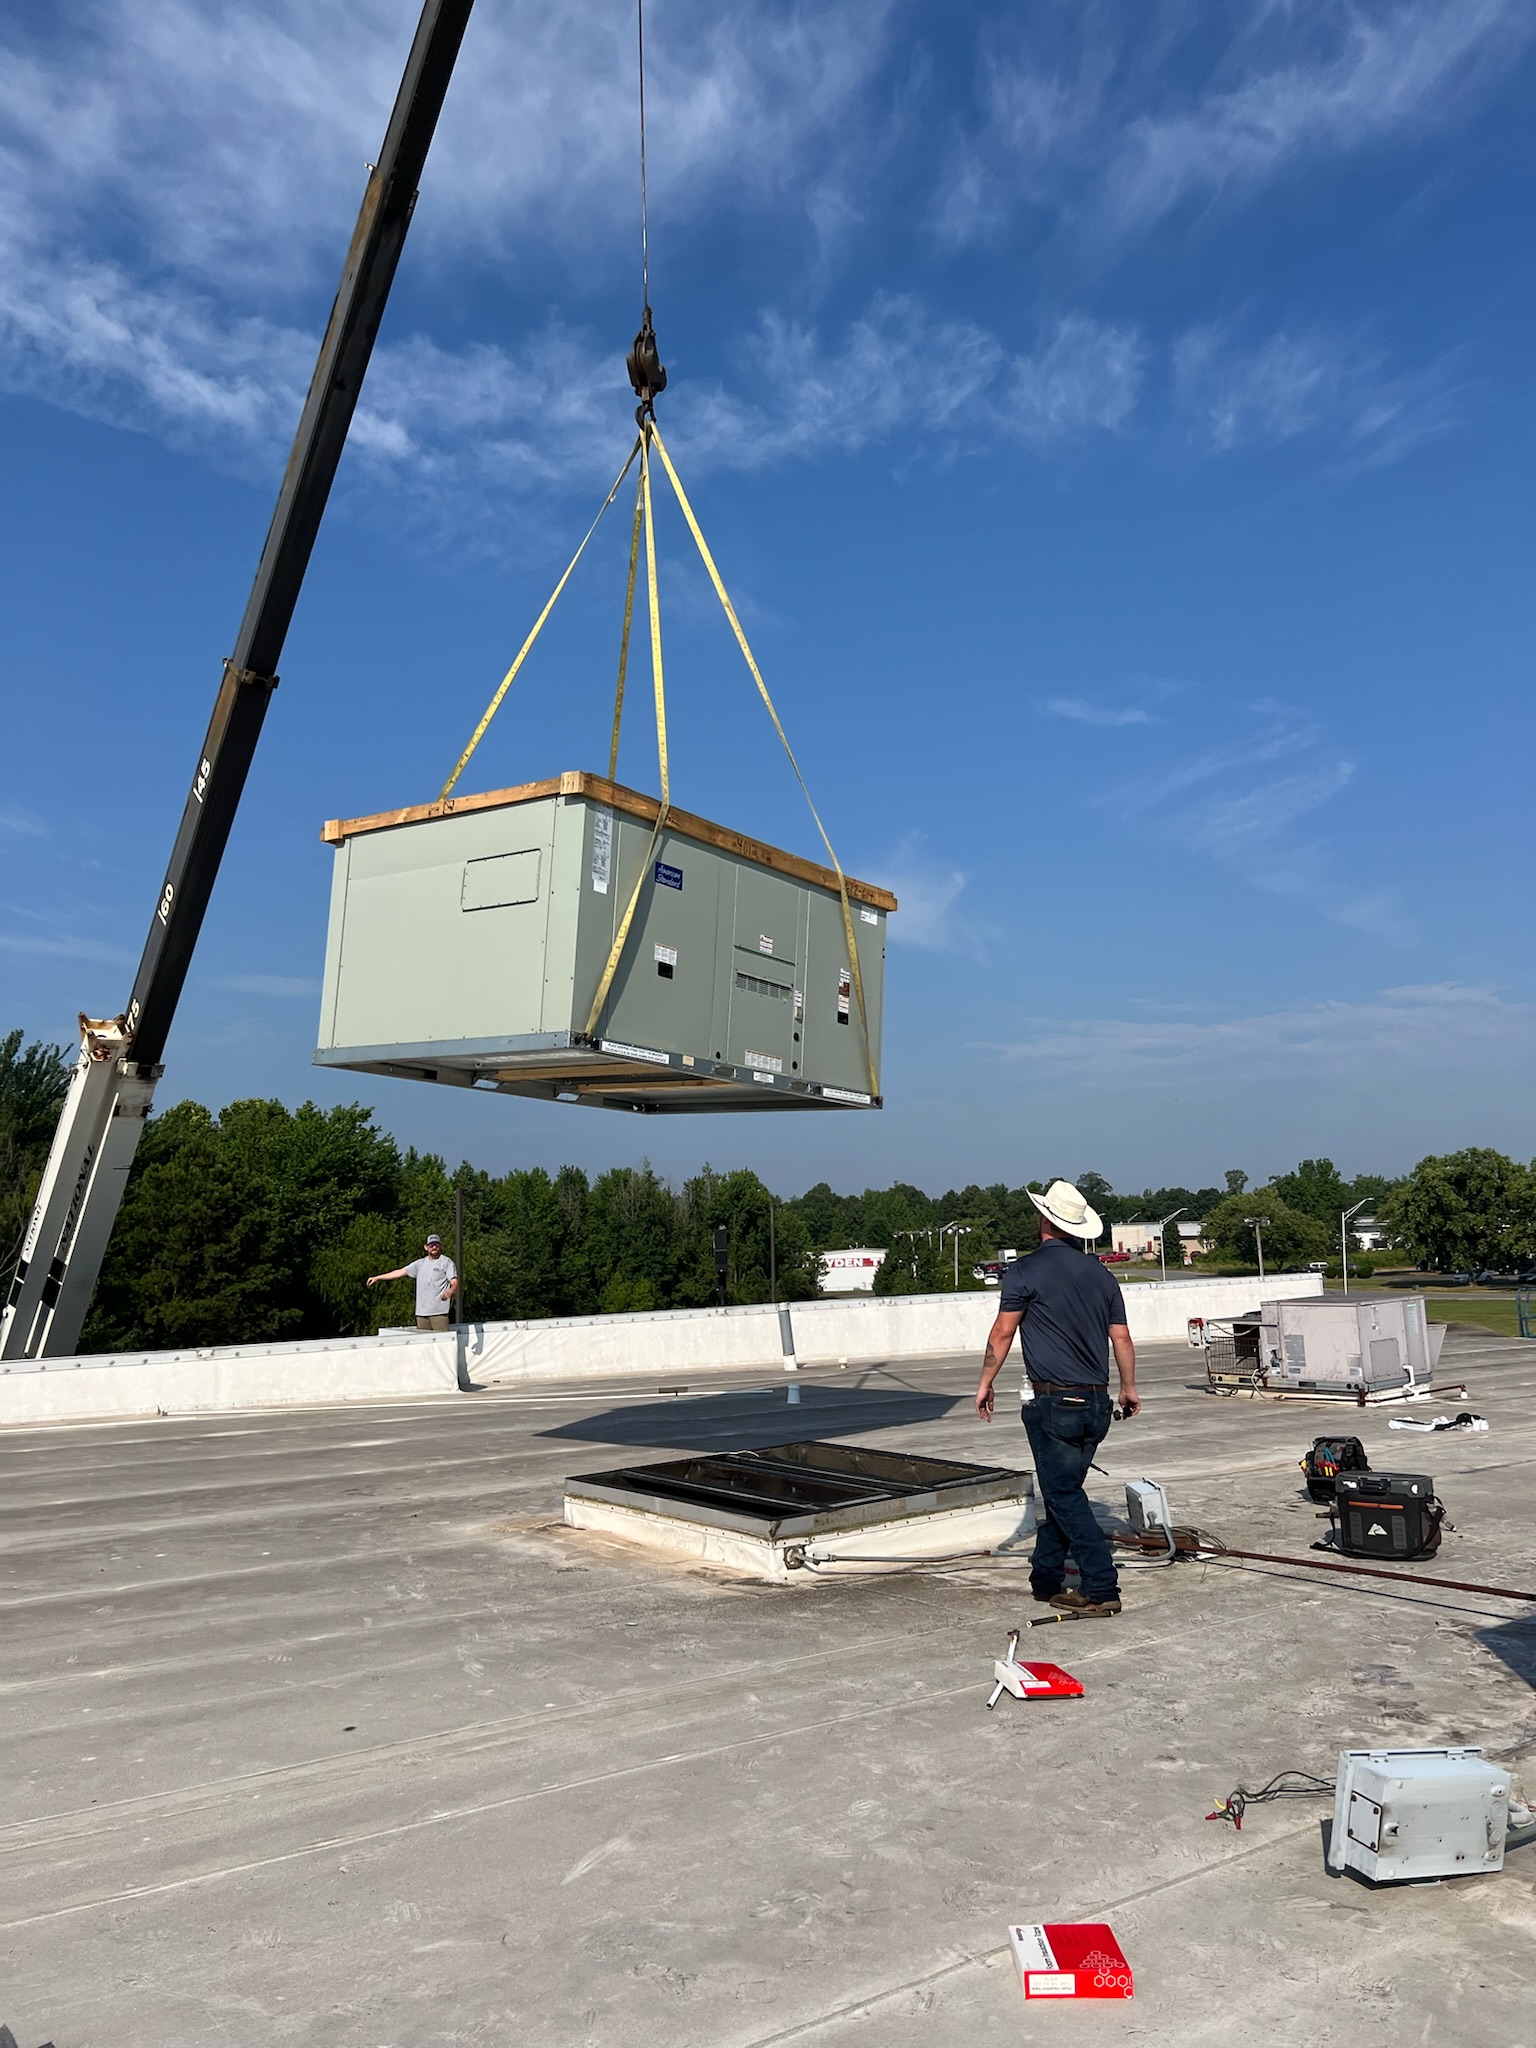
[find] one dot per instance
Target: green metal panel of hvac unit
(468, 939)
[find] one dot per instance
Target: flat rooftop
(321, 1727)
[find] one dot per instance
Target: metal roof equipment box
(469, 939)
(1402, 1816)
(1351, 1344)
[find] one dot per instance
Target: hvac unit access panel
(469, 938)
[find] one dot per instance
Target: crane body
(112, 1088)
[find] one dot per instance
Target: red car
(1114, 1258)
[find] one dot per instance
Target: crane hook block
(643, 362)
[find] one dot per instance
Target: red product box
(1049, 1681)
(1070, 1959)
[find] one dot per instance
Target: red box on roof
(1070, 1959)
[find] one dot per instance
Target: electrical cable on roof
(1238, 1800)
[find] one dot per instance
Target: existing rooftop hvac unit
(469, 940)
(1349, 1346)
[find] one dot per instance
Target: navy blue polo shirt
(1069, 1302)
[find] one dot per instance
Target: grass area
(1489, 1312)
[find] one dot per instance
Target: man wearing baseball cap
(1068, 1312)
(437, 1282)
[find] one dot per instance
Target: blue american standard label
(668, 878)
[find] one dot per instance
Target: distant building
(1193, 1241)
(1143, 1240)
(1139, 1239)
(1370, 1235)
(852, 1271)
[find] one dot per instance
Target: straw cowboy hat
(1062, 1205)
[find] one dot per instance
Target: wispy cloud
(1083, 711)
(459, 422)
(170, 163)
(1107, 119)
(269, 984)
(1242, 805)
(897, 365)
(14, 819)
(1415, 1030)
(63, 947)
(1382, 70)
(1289, 385)
(230, 136)
(929, 892)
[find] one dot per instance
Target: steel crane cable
(523, 652)
(645, 235)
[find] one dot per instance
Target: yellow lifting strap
(762, 688)
(622, 935)
(629, 613)
(522, 654)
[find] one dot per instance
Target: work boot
(1072, 1602)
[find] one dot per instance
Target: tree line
(256, 1222)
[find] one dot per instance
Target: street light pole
(1162, 1242)
(1256, 1225)
(1345, 1216)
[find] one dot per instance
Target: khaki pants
(431, 1322)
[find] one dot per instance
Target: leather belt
(1078, 1387)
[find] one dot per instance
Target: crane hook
(646, 374)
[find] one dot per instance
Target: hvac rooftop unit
(1348, 1345)
(469, 938)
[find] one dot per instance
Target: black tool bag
(1328, 1457)
(1390, 1515)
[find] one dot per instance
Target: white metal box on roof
(468, 940)
(1369, 1342)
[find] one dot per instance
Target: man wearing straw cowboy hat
(1069, 1311)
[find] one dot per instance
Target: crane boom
(114, 1081)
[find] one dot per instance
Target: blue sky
(1113, 419)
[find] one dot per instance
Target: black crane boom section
(250, 672)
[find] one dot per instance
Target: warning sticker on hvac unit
(1070, 1959)
(669, 878)
(869, 916)
(634, 1052)
(765, 1062)
(844, 991)
(602, 850)
(846, 1095)
(764, 943)
(666, 956)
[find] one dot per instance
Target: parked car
(1488, 1278)
(988, 1271)
(1114, 1258)
(1453, 1280)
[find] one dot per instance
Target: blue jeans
(1064, 1432)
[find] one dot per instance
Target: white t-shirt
(431, 1277)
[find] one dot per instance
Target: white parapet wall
(228, 1376)
(850, 1330)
